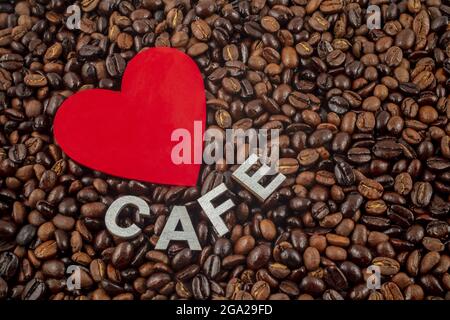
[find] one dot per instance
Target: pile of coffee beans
(365, 146)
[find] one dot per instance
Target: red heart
(128, 133)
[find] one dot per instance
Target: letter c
(114, 211)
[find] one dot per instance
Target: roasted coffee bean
(320, 210)
(97, 269)
(211, 267)
(438, 229)
(335, 278)
(351, 204)
(35, 80)
(320, 137)
(46, 250)
(7, 229)
(308, 157)
(93, 210)
(391, 291)
(157, 280)
(394, 56)
(11, 61)
(34, 290)
(331, 294)
(387, 149)
(201, 30)
(9, 265)
(182, 258)
(429, 261)
(26, 234)
(258, 257)
(370, 189)
(359, 292)
(403, 183)
(244, 245)
(336, 253)
(414, 292)
(388, 266)
(412, 263)
(54, 269)
(318, 22)
(421, 193)
(360, 255)
(3, 288)
(338, 104)
(18, 153)
(115, 65)
(200, 287)
(260, 290)
(351, 271)
(376, 207)
(122, 255)
(311, 258)
(312, 285)
(431, 285)
(359, 155)
(344, 173)
(287, 166)
(335, 58)
(268, 229)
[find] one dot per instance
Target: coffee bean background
(365, 145)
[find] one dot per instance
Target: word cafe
(179, 214)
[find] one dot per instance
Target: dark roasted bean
(200, 287)
(9, 264)
(34, 290)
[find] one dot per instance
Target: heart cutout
(128, 133)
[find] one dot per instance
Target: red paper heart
(128, 133)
